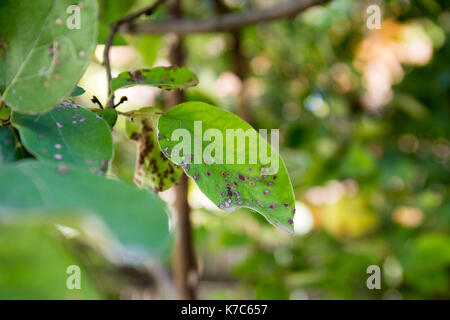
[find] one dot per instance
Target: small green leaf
(228, 185)
(67, 134)
(109, 115)
(5, 113)
(41, 58)
(137, 217)
(78, 91)
(167, 78)
(153, 169)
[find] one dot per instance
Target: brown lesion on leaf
(147, 158)
(136, 76)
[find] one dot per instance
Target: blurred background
(364, 127)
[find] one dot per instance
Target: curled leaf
(153, 169)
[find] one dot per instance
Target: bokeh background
(364, 127)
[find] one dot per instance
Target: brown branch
(113, 30)
(226, 22)
(184, 259)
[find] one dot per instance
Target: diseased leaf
(167, 78)
(67, 134)
(153, 169)
(41, 58)
(78, 91)
(228, 185)
(137, 217)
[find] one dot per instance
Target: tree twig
(184, 267)
(113, 30)
(222, 23)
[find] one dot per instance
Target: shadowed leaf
(7, 145)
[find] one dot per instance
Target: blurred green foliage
(304, 78)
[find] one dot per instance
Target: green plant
(55, 154)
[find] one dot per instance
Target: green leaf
(153, 169)
(35, 263)
(5, 113)
(167, 78)
(7, 145)
(109, 115)
(137, 217)
(229, 186)
(67, 134)
(41, 59)
(78, 91)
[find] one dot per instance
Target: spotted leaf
(167, 78)
(137, 217)
(43, 50)
(67, 134)
(153, 169)
(245, 181)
